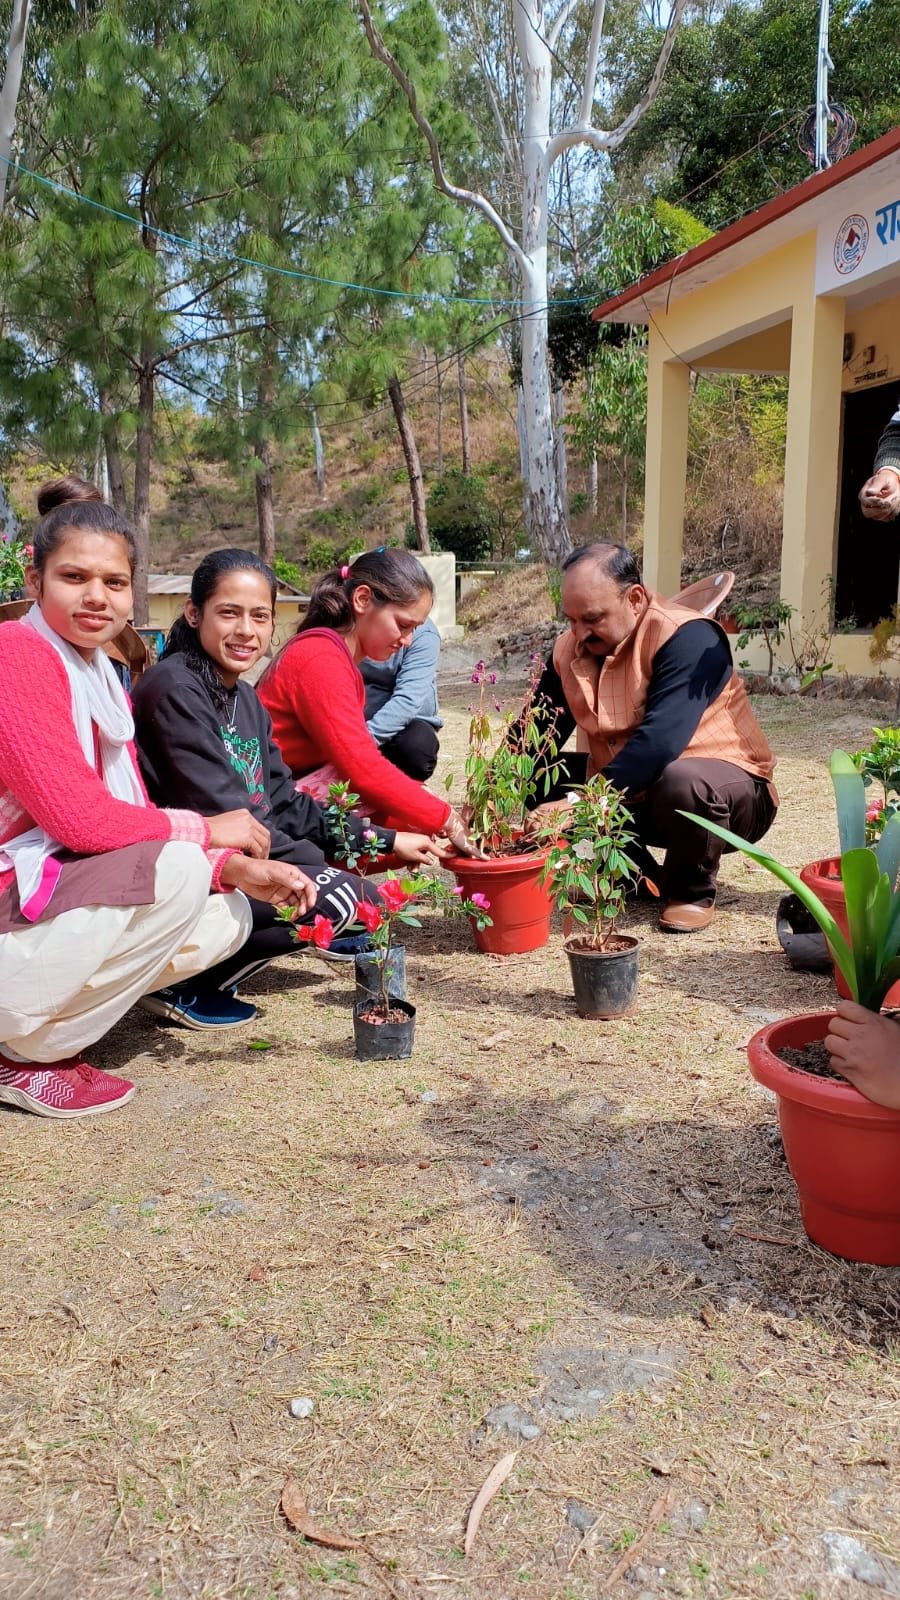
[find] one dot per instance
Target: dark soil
(615, 942)
(813, 1058)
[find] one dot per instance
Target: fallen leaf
(294, 1510)
(707, 1315)
(256, 1274)
(663, 1466)
(260, 1044)
(494, 1481)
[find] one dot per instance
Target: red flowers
(319, 933)
(369, 915)
(393, 895)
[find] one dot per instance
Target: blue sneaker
(216, 1008)
(344, 950)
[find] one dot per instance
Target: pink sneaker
(61, 1088)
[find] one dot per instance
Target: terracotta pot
(843, 1151)
(521, 907)
(824, 878)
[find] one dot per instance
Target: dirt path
(574, 1240)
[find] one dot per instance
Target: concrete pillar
(812, 456)
(668, 398)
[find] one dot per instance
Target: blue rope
(281, 272)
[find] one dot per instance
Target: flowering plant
(398, 897)
(508, 769)
(880, 764)
(349, 844)
(14, 558)
(589, 868)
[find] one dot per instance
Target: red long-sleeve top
(45, 780)
(315, 695)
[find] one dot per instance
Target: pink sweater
(45, 780)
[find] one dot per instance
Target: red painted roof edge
(781, 206)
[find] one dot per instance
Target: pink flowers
(320, 933)
(481, 901)
(369, 915)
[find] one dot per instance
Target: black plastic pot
(368, 973)
(604, 981)
(384, 1041)
(800, 936)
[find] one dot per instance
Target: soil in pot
(604, 981)
(383, 1038)
(814, 1058)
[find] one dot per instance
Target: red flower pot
(843, 1151)
(824, 878)
(521, 907)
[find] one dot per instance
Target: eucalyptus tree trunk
(544, 518)
(12, 82)
(593, 484)
(319, 449)
(413, 465)
(262, 450)
(114, 477)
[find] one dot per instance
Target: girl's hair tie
(345, 572)
(379, 550)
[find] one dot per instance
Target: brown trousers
(714, 789)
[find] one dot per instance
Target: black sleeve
(689, 673)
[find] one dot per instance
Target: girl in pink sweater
(103, 897)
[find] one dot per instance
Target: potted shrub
(843, 1151)
(589, 871)
(15, 557)
(508, 769)
(859, 824)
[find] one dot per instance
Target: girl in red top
(103, 898)
(315, 695)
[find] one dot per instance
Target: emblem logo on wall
(850, 244)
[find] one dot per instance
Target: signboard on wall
(859, 241)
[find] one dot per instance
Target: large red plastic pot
(824, 878)
(521, 907)
(843, 1151)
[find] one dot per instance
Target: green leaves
(588, 866)
(850, 799)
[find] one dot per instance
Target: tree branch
(582, 132)
(619, 134)
(468, 197)
(556, 27)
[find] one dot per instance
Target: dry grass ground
(592, 1222)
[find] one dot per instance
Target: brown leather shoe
(685, 918)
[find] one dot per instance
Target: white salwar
(66, 981)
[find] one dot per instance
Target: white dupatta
(98, 701)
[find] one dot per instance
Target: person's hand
(455, 830)
(275, 881)
(879, 496)
(420, 848)
(865, 1048)
(552, 814)
(239, 830)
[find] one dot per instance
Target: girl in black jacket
(205, 743)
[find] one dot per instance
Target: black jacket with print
(196, 756)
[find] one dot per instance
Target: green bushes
(459, 516)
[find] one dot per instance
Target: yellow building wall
(766, 317)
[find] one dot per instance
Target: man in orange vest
(666, 718)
